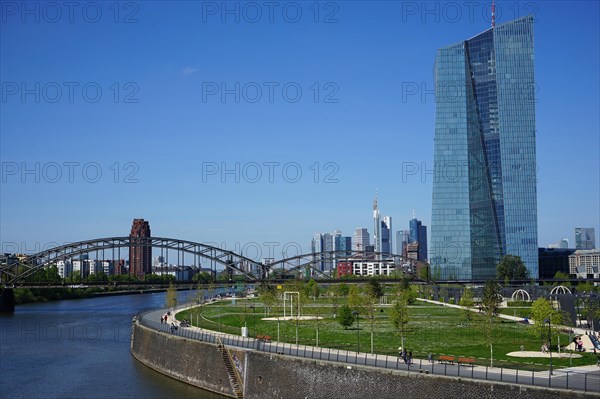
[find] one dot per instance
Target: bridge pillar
(7, 300)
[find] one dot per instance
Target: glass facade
(484, 189)
(585, 238)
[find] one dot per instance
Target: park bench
(446, 358)
(266, 338)
(466, 360)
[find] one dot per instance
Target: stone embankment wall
(267, 375)
(191, 361)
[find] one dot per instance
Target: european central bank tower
(484, 201)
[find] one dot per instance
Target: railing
(237, 379)
(573, 380)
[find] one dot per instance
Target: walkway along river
(81, 349)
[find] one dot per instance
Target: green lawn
(432, 329)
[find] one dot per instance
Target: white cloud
(189, 70)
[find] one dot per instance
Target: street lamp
(355, 313)
(253, 319)
(549, 342)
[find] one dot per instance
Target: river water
(80, 349)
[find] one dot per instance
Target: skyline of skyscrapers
(484, 202)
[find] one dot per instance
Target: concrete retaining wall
(291, 378)
(275, 376)
(194, 362)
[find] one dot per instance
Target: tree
(373, 288)
(202, 277)
(370, 308)
(424, 273)
(343, 289)
(437, 273)
(490, 302)
(511, 268)
(541, 312)
(561, 275)
(592, 309)
(355, 299)
(200, 292)
(345, 317)
(268, 296)
(491, 298)
(467, 301)
(399, 316)
(171, 296)
(586, 286)
(410, 295)
(312, 289)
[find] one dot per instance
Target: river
(80, 349)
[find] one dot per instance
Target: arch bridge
(17, 270)
(312, 261)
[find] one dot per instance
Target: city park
(381, 317)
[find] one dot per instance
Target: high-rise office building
(418, 235)
(342, 245)
(402, 240)
(376, 226)
(484, 202)
(585, 238)
(361, 239)
(422, 243)
(140, 253)
(386, 235)
(414, 224)
(322, 245)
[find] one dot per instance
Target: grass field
(432, 329)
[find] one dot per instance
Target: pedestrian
(410, 357)
(161, 319)
(430, 357)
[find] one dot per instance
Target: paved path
(588, 345)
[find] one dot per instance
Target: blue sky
(138, 89)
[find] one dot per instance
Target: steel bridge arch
(338, 255)
(10, 273)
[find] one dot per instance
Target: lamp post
(253, 319)
(357, 331)
(549, 342)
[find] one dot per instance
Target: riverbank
(35, 295)
(238, 367)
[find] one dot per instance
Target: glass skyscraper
(484, 201)
(585, 238)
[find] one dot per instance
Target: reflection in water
(80, 349)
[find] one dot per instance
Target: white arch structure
(560, 289)
(520, 295)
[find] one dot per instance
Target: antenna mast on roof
(493, 14)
